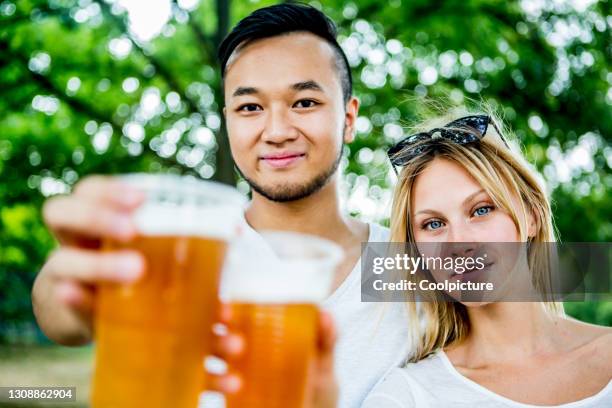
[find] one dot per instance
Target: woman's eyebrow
(466, 201)
(427, 211)
(473, 195)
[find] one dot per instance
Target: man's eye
(305, 103)
(249, 107)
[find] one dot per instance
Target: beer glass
(274, 299)
(152, 336)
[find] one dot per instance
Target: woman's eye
(249, 107)
(479, 212)
(305, 103)
(432, 225)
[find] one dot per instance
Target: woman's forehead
(441, 183)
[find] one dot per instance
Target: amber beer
(274, 305)
(152, 336)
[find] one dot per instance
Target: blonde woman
(460, 182)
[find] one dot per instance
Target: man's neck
(318, 214)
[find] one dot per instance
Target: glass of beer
(152, 336)
(274, 299)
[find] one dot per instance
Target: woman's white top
(434, 382)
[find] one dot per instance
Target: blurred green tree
(109, 86)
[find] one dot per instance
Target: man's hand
(63, 293)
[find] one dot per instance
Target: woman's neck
(508, 331)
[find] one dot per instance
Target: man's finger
(91, 267)
(76, 296)
(109, 190)
(67, 213)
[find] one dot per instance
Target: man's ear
(350, 117)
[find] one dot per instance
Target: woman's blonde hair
(503, 173)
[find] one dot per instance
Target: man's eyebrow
(245, 90)
(307, 86)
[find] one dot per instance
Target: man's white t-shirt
(372, 337)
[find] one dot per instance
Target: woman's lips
(282, 161)
(474, 273)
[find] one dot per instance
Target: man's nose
(278, 127)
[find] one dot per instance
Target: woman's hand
(322, 388)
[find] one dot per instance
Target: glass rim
(329, 250)
(183, 184)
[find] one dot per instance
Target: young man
(289, 110)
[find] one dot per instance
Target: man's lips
(281, 160)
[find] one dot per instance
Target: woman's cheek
(500, 228)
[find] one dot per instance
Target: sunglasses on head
(468, 129)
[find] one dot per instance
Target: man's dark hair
(283, 19)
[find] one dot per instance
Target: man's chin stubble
(293, 192)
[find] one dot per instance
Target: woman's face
(453, 217)
(448, 205)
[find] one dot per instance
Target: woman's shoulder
(602, 338)
(589, 335)
(601, 345)
(593, 343)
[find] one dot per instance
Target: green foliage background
(81, 93)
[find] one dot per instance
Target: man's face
(285, 114)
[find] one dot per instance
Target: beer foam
(274, 270)
(164, 220)
(183, 205)
(289, 286)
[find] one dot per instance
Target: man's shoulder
(368, 231)
(378, 233)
